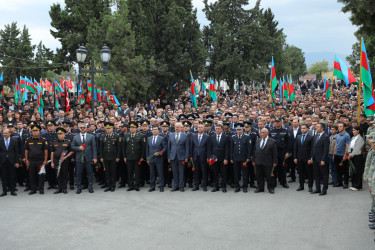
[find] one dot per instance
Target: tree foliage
(318, 67)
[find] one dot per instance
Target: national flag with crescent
(368, 88)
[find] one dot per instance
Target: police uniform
(133, 148)
(167, 166)
(35, 152)
(61, 148)
(282, 142)
(253, 136)
(188, 168)
(50, 138)
(110, 146)
(240, 153)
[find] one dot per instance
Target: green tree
(43, 60)
(293, 61)
(79, 23)
(317, 68)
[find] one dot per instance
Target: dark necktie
(263, 142)
(83, 139)
(153, 143)
(303, 139)
(199, 140)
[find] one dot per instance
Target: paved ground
(189, 220)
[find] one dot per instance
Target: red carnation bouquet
(155, 155)
(289, 155)
(212, 160)
(344, 159)
(272, 175)
(244, 164)
(83, 154)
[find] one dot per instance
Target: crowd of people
(238, 141)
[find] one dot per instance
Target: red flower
(272, 175)
(284, 164)
(193, 170)
(363, 181)
(104, 169)
(183, 163)
(160, 153)
(84, 145)
(188, 165)
(97, 170)
(341, 164)
(139, 163)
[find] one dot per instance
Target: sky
(312, 25)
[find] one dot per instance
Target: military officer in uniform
(61, 152)
(133, 148)
(110, 147)
(229, 132)
(240, 149)
(253, 136)
(36, 155)
(67, 125)
(189, 167)
(145, 169)
(50, 137)
(121, 170)
(282, 139)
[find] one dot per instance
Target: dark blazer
(268, 155)
(292, 139)
(90, 151)
(320, 148)
(12, 152)
(201, 149)
(240, 149)
(220, 150)
(178, 151)
(303, 152)
(160, 145)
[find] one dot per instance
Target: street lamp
(105, 55)
(266, 71)
(208, 63)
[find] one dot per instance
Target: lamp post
(266, 71)
(91, 69)
(208, 63)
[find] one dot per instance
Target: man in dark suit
(240, 149)
(9, 161)
(155, 149)
(219, 148)
(302, 157)
(320, 159)
(84, 144)
(199, 155)
(292, 135)
(178, 152)
(265, 160)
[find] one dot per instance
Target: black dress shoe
(65, 191)
(136, 189)
(27, 189)
(371, 226)
(224, 189)
(331, 183)
(174, 189)
(107, 189)
(258, 190)
(130, 189)
(151, 189)
(310, 190)
(253, 186)
(195, 189)
(244, 190)
(215, 189)
(324, 192)
(285, 185)
(237, 190)
(71, 187)
(41, 192)
(121, 185)
(13, 193)
(32, 192)
(3, 194)
(57, 191)
(337, 185)
(91, 190)
(169, 185)
(79, 191)
(345, 186)
(300, 188)
(204, 189)
(104, 186)
(161, 189)
(113, 189)
(271, 191)
(316, 191)
(182, 189)
(292, 181)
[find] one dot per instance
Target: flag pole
(269, 99)
(360, 84)
(333, 70)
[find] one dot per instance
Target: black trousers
(72, 167)
(292, 167)
(35, 177)
(251, 172)
(238, 168)
(168, 176)
(321, 174)
(62, 179)
(358, 162)
(50, 174)
(341, 171)
(264, 172)
(230, 173)
(217, 168)
(110, 172)
(305, 170)
(280, 170)
(20, 174)
(200, 169)
(134, 173)
(8, 172)
(122, 172)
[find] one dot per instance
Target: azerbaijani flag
(29, 85)
(342, 72)
(273, 81)
(204, 87)
(16, 91)
(213, 95)
(291, 92)
(286, 88)
(40, 100)
(281, 84)
(193, 91)
(368, 89)
(326, 89)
